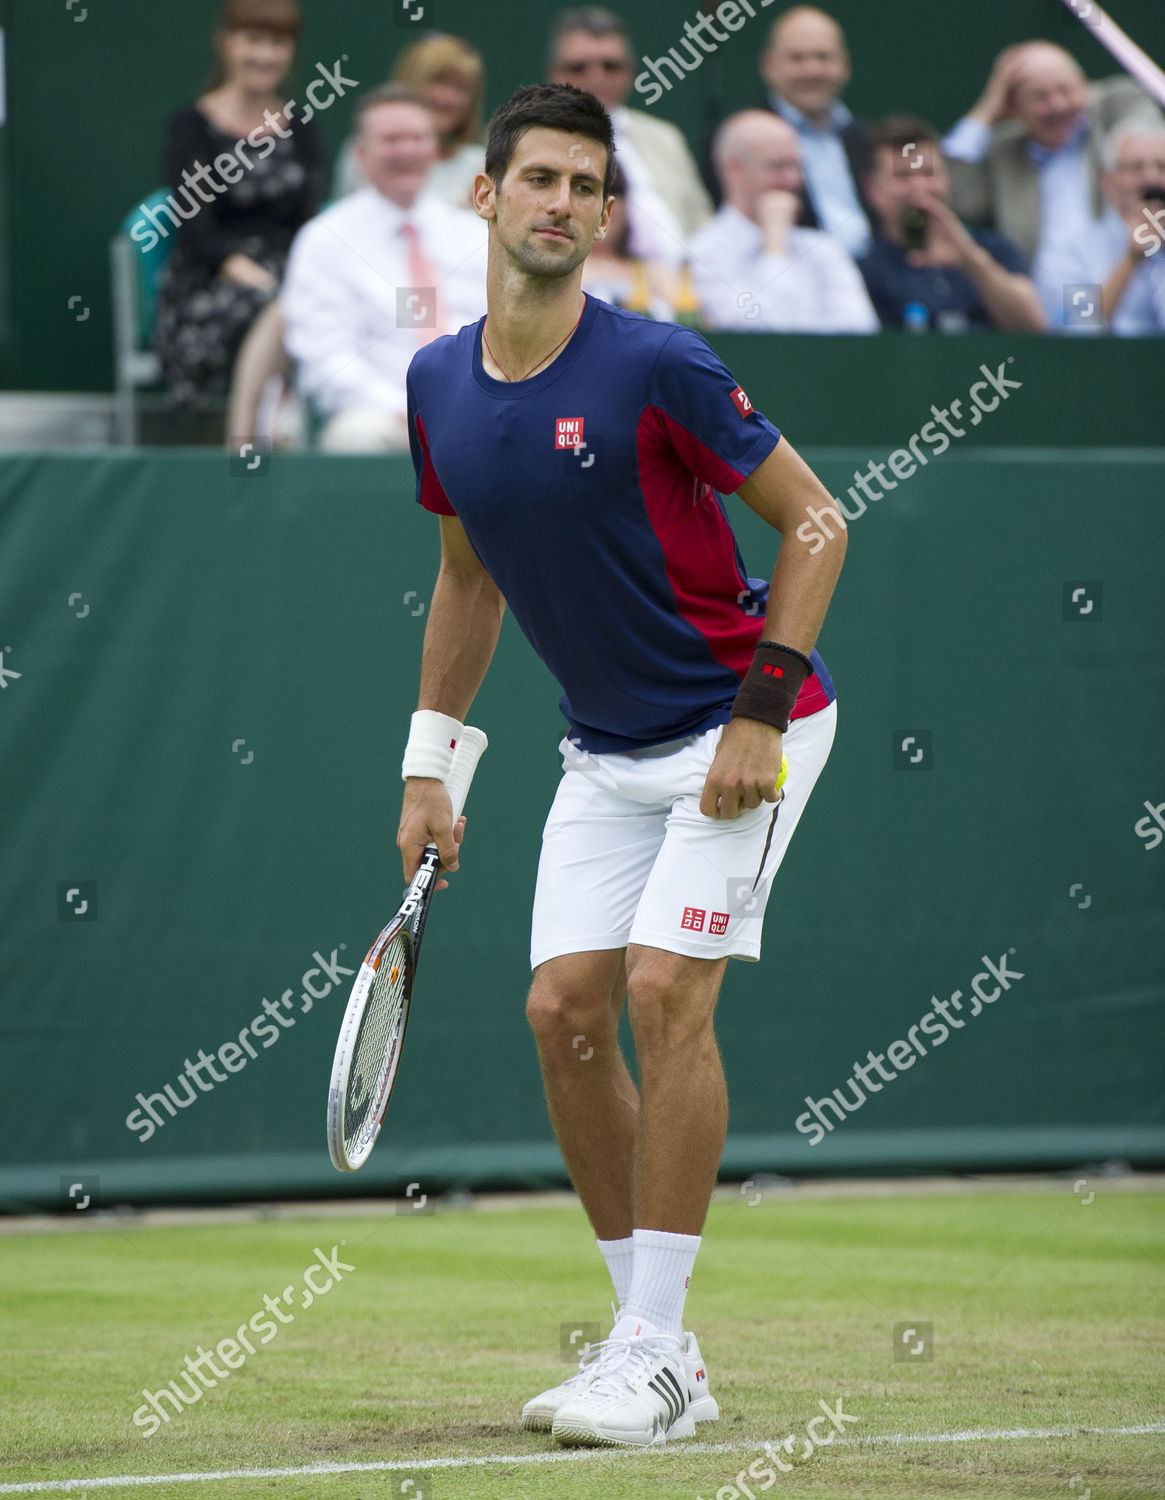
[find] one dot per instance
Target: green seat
(135, 265)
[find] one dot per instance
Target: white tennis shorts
(628, 857)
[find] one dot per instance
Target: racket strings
(378, 1034)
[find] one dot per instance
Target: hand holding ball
(784, 771)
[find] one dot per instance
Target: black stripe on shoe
(668, 1387)
(681, 1395)
(666, 1395)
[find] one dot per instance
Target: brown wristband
(771, 685)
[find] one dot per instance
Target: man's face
(806, 63)
(904, 179)
(1140, 164)
(396, 147)
(1050, 96)
(549, 206)
(767, 160)
(599, 64)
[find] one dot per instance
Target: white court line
(574, 1456)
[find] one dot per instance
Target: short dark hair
(898, 133)
(591, 19)
(278, 17)
(549, 106)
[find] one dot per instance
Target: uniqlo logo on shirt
(743, 404)
(568, 432)
(718, 922)
(693, 918)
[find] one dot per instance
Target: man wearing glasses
(666, 200)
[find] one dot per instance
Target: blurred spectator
(449, 73)
(955, 279)
(805, 67)
(753, 268)
(1026, 159)
(378, 274)
(251, 175)
(666, 201)
(1114, 275)
(612, 273)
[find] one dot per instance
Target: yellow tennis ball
(784, 771)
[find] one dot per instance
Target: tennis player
(575, 455)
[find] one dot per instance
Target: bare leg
(683, 1116)
(591, 1098)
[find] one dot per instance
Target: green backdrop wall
(91, 86)
(206, 681)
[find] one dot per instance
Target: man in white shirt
(378, 274)
(1113, 276)
(752, 268)
(666, 200)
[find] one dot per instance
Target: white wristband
(432, 740)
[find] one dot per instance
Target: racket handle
(470, 746)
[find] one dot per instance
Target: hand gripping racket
(373, 1029)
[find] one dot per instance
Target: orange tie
(420, 307)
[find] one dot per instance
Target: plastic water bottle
(915, 318)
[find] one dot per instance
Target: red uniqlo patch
(693, 918)
(568, 432)
(743, 404)
(718, 922)
(768, 670)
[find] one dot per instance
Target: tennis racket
(373, 1030)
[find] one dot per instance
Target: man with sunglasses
(666, 199)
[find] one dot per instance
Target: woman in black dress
(232, 247)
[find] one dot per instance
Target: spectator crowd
(1042, 207)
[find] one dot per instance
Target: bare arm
(780, 490)
(1010, 298)
(1117, 282)
(460, 637)
(462, 632)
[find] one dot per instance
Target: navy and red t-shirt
(589, 492)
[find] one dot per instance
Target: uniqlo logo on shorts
(693, 918)
(718, 922)
(743, 404)
(568, 432)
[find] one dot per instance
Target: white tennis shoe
(643, 1388)
(538, 1414)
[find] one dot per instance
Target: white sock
(660, 1277)
(620, 1256)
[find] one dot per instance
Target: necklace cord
(537, 362)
